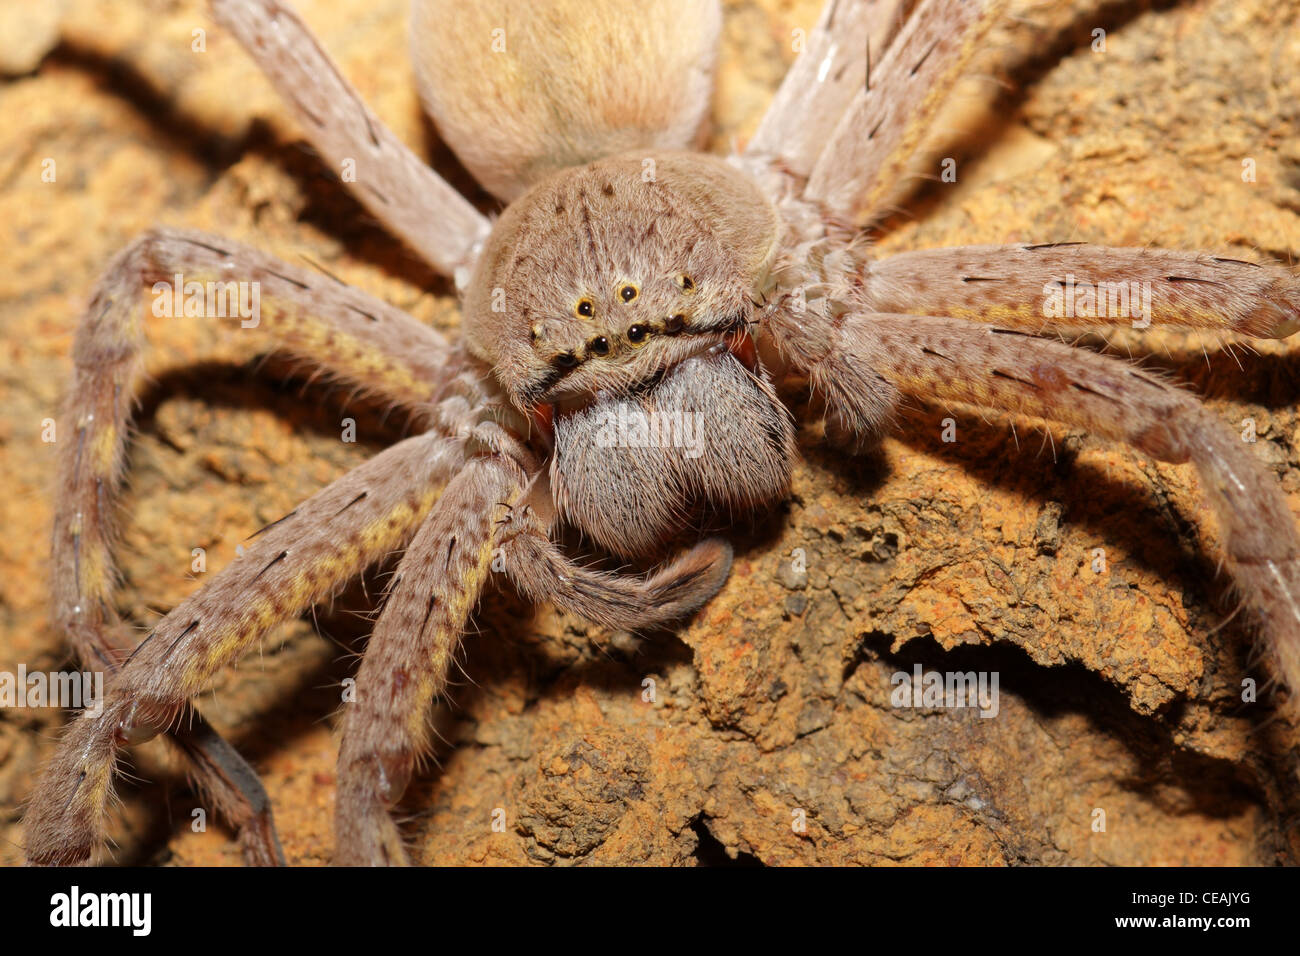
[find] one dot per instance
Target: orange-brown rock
(771, 736)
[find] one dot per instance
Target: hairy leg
(337, 329)
(948, 360)
(483, 512)
(835, 63)
(391, 181)
(436, 587)
(231, 787)
(545, 574)
(861, 168)
(334, 328)
(294, 563)
(1069, 284)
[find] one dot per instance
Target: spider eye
(599, 345)
(684, 282)
(627, 293)
(566, 360)
(674, 323)
(637, 333)
(584, 308)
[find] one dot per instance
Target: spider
(632, 290)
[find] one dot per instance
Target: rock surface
(1120, 690)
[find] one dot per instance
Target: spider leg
(293, 563)
(436, 587)
(849, 37)
(231, 787)
(333, 327)
(342, 330)
(949, 360)
(1054, 285)
(864, 160)
(545, 574)
(391, 181)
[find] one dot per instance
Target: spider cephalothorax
(620, 295)
(611, 374)
(609, 272)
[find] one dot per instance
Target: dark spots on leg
(203, 245)
(273, 562)
(428, 612)
(376, 193)
(1051, 245)
(370, 129)
(1147, 380)
(268, 527)
(75, 787)
(138, 648)
(193, 626)
(401, 677)
(312, 117)
(1092, 391)
(1193, 279)
(998, 373)
(359, 497)
(924, 56)
(321, 269)
(300, 285)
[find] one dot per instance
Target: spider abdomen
(520, 90)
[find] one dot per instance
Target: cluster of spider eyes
(637, 334)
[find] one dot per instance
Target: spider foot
(65, 820)
(369, 787)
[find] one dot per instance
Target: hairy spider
(629, 280)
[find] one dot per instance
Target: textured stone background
(1119, 691)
